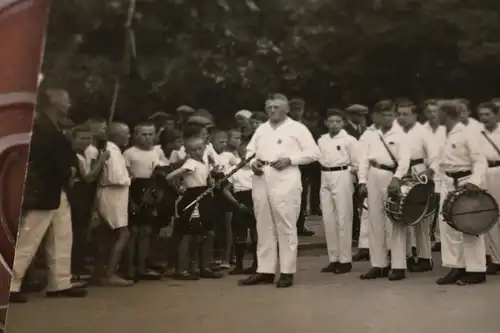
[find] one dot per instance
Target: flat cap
(244, 114)
(199, 120)
(160, 116)
(185, 108)
(357, 108)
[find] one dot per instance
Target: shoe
(436, 247)
(410, 263)
(343, 268)
(237, 271)
(116, 281)
(17, 297)
(492, 269)
(285, 281)
(71, 292)
(225, 265)
(149, 276)
(397, 275)
(185, 276)
(375, 273)
(452, 277)
(330, 268)
(362, 255)
(256, 279)
(209, 274)
(422, 265)
(472, 278)
(305, 232)
(250, 270)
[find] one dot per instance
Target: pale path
(318, 303)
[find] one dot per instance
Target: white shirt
(242, 179)
(487, 148)
(397, 142)
(462, 152)
(437, 139)
(290, 139)
(207, 154)
(141, 163)
(115, 169)
(228, 160)
(475, 125)
(197, 175)
(339, 150)
(420, 144)
(91, 154)
(163, 158)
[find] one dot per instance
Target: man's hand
(363, 192)
(281, 164)
(471, 187)
(257, 168)
(430, 174)
(104, 156)
(394, 186)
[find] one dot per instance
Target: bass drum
(411, 205)
(473, 213)
(22, 28)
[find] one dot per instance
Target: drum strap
(491, 142)
(389, 151)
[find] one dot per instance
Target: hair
(463, 101)
(277, 96)
(408, 104)
(489, 105)
(192, 130)
(384, 105)
(83, 128)
(96, 120)
(335, 112)
(144, 124)
(217, 132)
(233, 130)
(170, 136)
(450, 109)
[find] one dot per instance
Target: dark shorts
(145, 215)
(243, 222)
(202, 224)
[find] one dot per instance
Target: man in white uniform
(490, 145)
(280, 145)
(380, 172)
(437, 135)
(462, 165)
(421, 152)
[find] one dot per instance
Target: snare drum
(471, 213)
(411, 205)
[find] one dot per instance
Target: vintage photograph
(251, 165)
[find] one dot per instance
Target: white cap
(244, 113)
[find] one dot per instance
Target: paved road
(318, 302)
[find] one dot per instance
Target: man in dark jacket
(46, 211)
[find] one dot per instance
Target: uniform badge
(453, 146)
(279, 141)
(338, 147)
(391, 143)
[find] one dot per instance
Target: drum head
(416, 204)
(474, 214)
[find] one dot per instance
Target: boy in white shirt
(338, 154)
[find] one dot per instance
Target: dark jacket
(353, 131)
(49, 166)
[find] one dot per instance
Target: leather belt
(458, 175)
(493, 164)
(265, 162)
(337, 168)
(383, 167)
(416, 162)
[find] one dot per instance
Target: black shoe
(330, 268)
(237, 271)
(452, 277)
(257, 279)
(422, 265)
(343, 268)
(414, 253)
(436, 247)
(397, 275)
(410, 264)
(250, 270)
(305, 232)
(71, 292)
(493, 269)
(149, 276)
(17, 297)
(472, 278)
(209, 274)
(362, 255)
(185, 276)
(375, 273)
(285, 281)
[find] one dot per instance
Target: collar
(283, 123)
(394, 129)
(342, 133)
(113, 146)
(459, 127)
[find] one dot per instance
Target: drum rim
(421, 217)
(455, 194)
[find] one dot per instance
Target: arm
(95, 171)
(252, 146)
(479, 162)
(177, 174)
(352, 150)
(309, 149)
(404, 156)
(362, 158)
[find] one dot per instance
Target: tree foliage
(223, 55)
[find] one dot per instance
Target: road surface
(320, 303)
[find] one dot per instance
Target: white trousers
(337, 208)
(437, 234)
(492, 238)
(55, 225)
(277, 208)
(457, 249)
(379, 225)
(364, 229)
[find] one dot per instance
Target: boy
(142, 159)
(338, 160)
(243, 219)
(197, 222)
